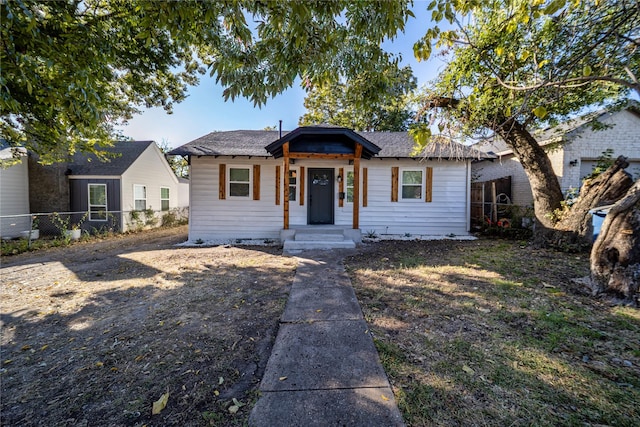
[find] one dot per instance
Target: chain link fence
(74, 224)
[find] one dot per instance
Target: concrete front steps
(319, 237)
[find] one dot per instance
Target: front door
(321, 196)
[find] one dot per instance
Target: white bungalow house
(573, 148)
(14, 192)
(330, 181)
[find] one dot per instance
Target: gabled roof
(253, 143)
(229, 143)
(338, 135)
(126, 153)
(556, 133)
(7, 151)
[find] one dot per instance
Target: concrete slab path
(324, 369)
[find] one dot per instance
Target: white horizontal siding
(151, 170)
(445, 214)
(214, 219)
(14, 199)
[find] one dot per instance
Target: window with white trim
(97, 202)
(139, 197)
(240, 182)
(293, 184)
(349, 186)
(164, 198)
(412, 181)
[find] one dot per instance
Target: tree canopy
(516, 66)
(363, 103)
(72, 70)
(537, 62)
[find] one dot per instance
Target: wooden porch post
(356, 186)
(285, 152)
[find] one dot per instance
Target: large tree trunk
(615, 257)
(547, 196)
(575, 230)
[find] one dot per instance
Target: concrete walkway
(324, 369)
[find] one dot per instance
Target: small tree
(362, 103)
(179, 164)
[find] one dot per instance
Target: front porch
(320, 145)
(308, 237)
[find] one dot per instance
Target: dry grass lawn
(491, 333)
(470, 333)
(94, 333)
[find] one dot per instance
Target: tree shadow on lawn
(471, 340)
(203, 335)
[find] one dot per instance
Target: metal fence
(61, 224)
(505, 215)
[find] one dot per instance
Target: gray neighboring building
(137, 178)
(573, 148)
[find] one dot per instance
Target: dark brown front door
(321, 195)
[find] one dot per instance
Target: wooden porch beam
(356, 187)
(301, 185)
(320, 156)
(285, 152)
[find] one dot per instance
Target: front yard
(494, 333)
(94, 333)
(470, 333)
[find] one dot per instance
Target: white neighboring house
(138, 178)
(573, 148)
(14, 192)
(183, 192)
(261, 185)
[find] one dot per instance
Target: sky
(205, 110)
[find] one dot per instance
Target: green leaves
(540, 112)
(71, 71)
(373, 101)
(539, 61)
(554, 6)
(421, 134)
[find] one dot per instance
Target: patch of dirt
(94, 333)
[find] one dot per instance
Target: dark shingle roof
(253, 143)
(401, 144)
(231, 143)
(324, 133)
(127, 152)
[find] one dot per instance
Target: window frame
(347, 186)
(167, 199)
(295, 186)
(401, 185)
(144, 187)
(249, 195)
(90, 205)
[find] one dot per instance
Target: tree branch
(630, 199)
(442, 102)
(566, 83)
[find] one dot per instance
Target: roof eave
(369, 148)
